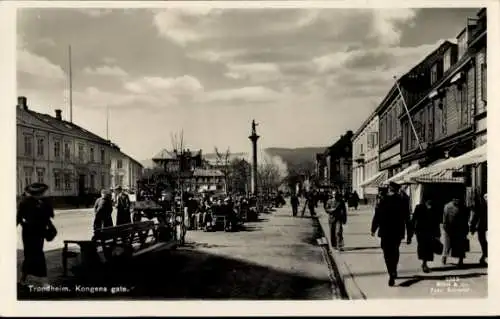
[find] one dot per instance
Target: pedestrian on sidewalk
(456, 229)
(122, 207)
(103, 208)
(426, 226)
(354, 200)
(294, 201)
(35, 215)
(479, 224)
(337, 217)
(391, 219)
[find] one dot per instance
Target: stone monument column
(254, 137)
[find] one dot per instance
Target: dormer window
(447, 60)
(434, 74)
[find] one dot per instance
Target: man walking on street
(337, 216)
(479, 223)
(294, 201)
(391, 219)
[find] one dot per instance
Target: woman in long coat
(425, 224)
(456, 228)
(34, 215)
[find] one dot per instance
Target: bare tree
(269, 176)
(223, 160)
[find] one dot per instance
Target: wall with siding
(480, 59)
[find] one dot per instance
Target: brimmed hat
(118, 188)
(36, 189)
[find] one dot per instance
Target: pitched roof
(164, 154)
(45, 121)
(199, 172)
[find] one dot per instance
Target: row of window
(63, 180)
(431, 123)
(371, 143)
(57, 150)
(390, 128)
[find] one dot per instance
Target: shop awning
(443, 169)
(400, 177)
(476, 156)
(375, 180)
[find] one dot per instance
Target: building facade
(203, 180)
(339, 163)
(390, 132)
(477, 47)
(365, 157)
(125, 171)
(69, 159)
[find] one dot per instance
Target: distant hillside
(297, 159)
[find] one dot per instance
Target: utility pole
(70, 73)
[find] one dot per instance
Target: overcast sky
(305, 75)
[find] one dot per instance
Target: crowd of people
(393, 221)
(438, 230)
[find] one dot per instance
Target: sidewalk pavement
(362, 269)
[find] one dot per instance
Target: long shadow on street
(188, 274)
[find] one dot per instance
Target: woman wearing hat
(34, 215)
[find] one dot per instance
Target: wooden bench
(134, 239)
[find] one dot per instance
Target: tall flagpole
(70, 87)
(107, 122)
(408, 113)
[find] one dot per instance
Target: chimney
(58, 115)
(22, 102)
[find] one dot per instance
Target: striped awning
(375, 180)
(400, 177)
(437, 177)
(430, 174)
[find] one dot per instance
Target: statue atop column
(254, 125)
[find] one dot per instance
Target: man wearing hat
(391, 219)
(34, 214)
(122, 207)
(103, 210)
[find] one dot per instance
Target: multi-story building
(477, 47)
(206, 180)
(69, 159)
(365, 157)
(404, 96)
(171, 161)
(339, 163)
(390, 133)
(449, 118)
(322, 168)
(125, 171)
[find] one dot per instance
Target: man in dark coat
(103, 210)
(479, 223)
(391, 219)
(122, 207)
(34, 214)
(294, 201)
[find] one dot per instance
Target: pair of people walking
(103, 208)
(392, 220)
